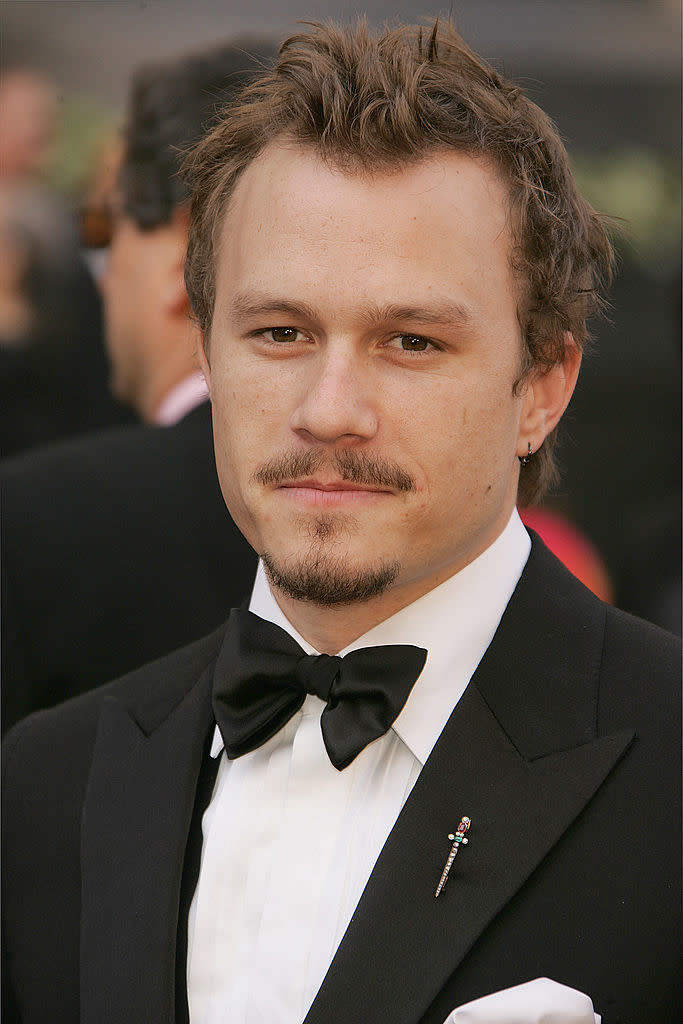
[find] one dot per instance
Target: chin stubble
(319, 576)
(328, 580)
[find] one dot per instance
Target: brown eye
(413, 343)
(283, 334)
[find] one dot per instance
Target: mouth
(330, 493)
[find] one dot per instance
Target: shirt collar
(182, 399)
(455, 622)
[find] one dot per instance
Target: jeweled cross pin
(458, 839)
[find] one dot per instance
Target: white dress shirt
(289, 842)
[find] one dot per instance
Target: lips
(330, 493)
(333, 485)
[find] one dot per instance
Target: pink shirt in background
(184, 397)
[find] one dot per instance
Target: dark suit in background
(116, 549)
(561, 750)
(119, 548)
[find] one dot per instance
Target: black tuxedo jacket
(117, 549)
(562, 751)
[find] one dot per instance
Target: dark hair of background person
(376, 100)
(139, 508)
(172, 104)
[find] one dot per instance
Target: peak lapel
(400, 950)
(134, 832)
(521, 785)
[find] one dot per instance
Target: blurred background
(608, 72)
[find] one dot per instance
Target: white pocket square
(541, 1001)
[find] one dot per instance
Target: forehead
(440, 224)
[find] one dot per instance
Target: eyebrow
(442, 312)
(251, 304)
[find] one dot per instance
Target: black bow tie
(262, 677)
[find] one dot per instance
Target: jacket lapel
(135, 826)
(520, 757)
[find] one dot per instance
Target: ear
(547, 395)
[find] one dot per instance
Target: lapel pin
(458, 840)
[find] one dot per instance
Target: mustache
(355, 467)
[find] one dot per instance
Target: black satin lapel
(134, 832)
(403, 944)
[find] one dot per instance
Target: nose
(337, 401)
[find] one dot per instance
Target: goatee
(329, 580)
(321, 576)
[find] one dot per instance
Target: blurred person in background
(97, 199)
(392, 268)
(28, 124)
(53, 368)
(109, 542)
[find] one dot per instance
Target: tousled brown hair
(376, 100)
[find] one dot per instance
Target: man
(391, 268)
(51, 335)
(29, 111)
(108, 542)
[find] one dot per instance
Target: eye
(411, 343)
(283, 335)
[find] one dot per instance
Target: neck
(329, 629)
(170, 364)
(149, 405)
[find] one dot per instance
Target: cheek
(463, 444)
(255, 400)
(241, 423)
(440, 431)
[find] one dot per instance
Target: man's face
(28, 122)
(363, 353)
(131, 286)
